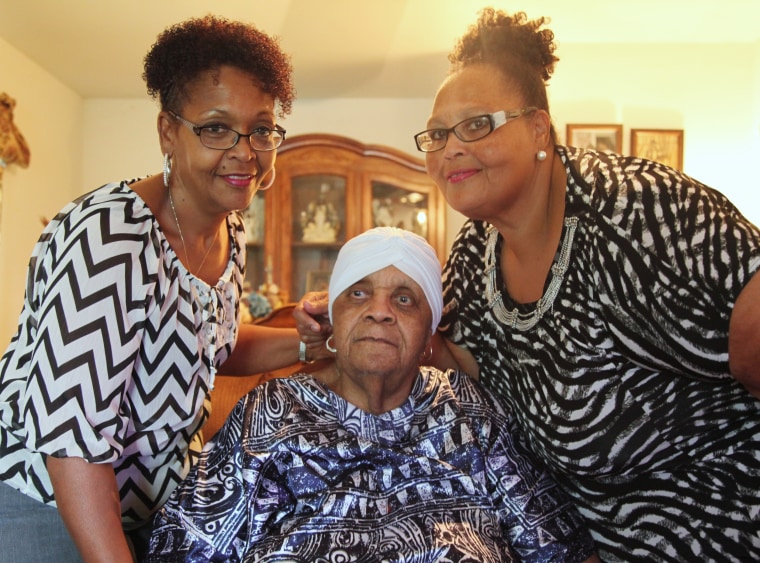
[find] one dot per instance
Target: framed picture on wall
(600, 137)
(660, 145)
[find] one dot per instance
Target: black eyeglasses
(223, 138)
(469, 130)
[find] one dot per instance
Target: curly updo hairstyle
(514, 44)
(185, 50)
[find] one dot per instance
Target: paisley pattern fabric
(115, 353)
(623, 387)
(298, 474)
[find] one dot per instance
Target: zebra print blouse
(622, 384)
(115, 352)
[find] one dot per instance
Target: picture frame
(317, 280)
(605, 137)
(661, 145)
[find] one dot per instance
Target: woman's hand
(313, 324)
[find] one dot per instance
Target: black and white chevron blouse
(116, 351)
(621, 380)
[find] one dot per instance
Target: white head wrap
(380, 247)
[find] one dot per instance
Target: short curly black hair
(514, 44)
(185, 50)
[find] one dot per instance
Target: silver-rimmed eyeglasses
(223, 138)
(469, 130)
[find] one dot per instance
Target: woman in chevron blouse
(372, 458)
(132, 304)
(612, 301)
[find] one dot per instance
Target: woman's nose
(454, 146)
(379, 309)
(243, 149)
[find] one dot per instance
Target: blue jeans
(31, 531)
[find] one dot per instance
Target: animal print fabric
(115, 352)
(623, 386)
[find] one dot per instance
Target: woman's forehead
(471, 91)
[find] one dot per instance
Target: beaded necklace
(513, 318)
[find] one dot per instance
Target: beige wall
(49, 115)
(710, 91)
(754, 117)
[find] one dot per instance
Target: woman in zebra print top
(611, 301)
(132, 305)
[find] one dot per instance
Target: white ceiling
(342, 48)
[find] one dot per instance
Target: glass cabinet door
(254, 218)
(394, 206)
(319, 229)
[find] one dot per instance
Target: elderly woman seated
(372, 458)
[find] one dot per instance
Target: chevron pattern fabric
(116, 351)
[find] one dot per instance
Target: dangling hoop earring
(330, 347)
(271, 182)
(541, 155)
(428, 353)
(167, 169)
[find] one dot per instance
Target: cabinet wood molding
(326, 140)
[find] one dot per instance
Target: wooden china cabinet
(328, 189)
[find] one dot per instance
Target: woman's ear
(542, 126)
(167, 131)
(428, 353)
